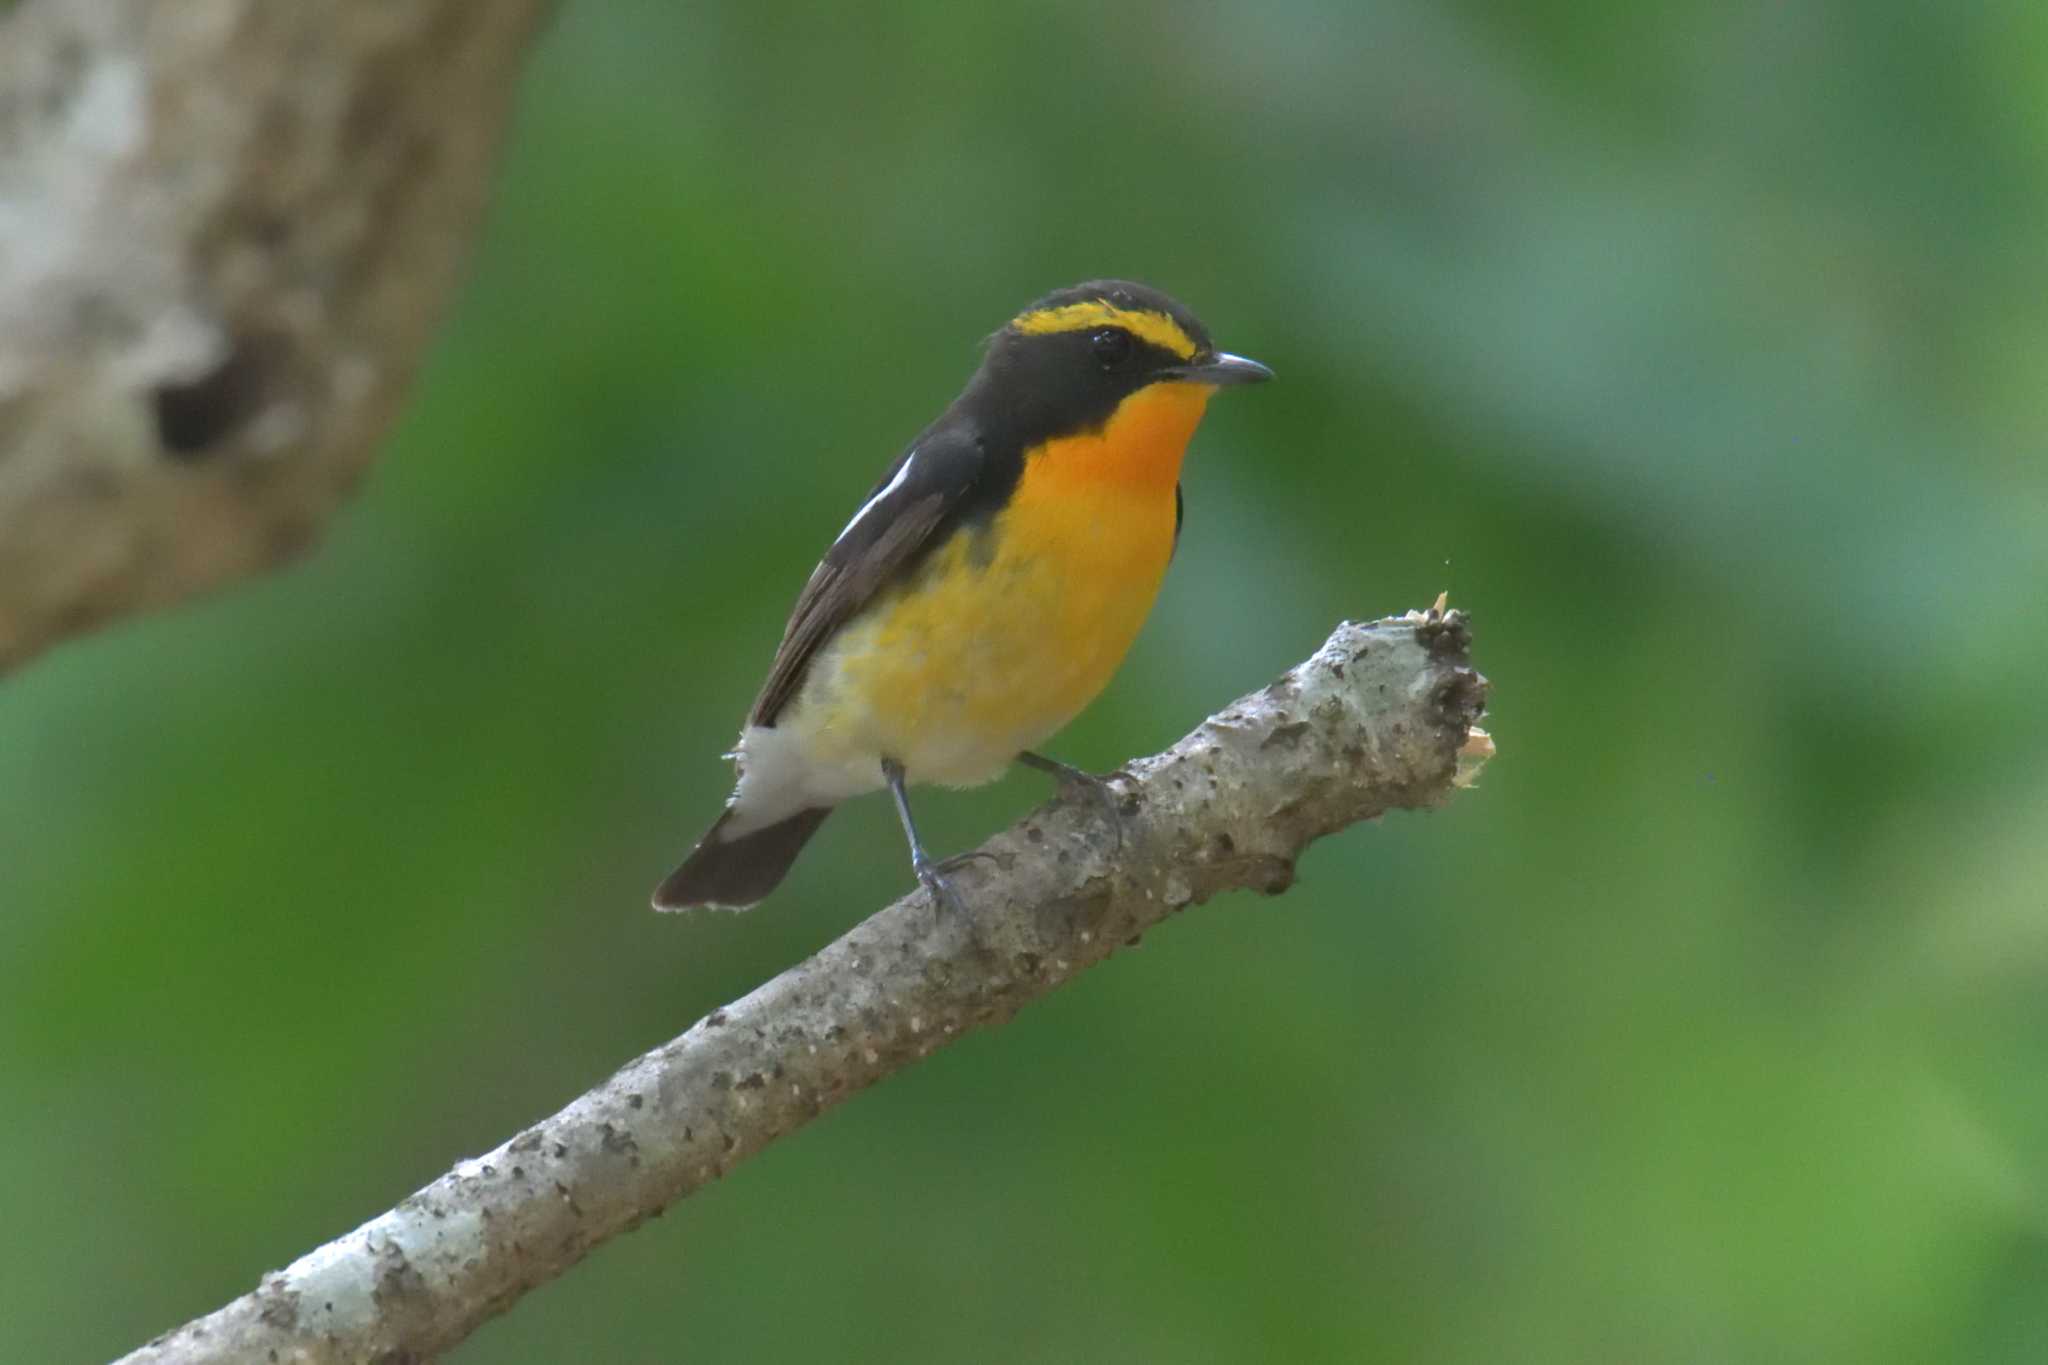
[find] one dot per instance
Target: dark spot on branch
(397, 1280)
(192, 419)
(1288, 734)
(280, 1306)
(1447, 636)
(1461, 698)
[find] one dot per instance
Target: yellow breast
(1007, 632)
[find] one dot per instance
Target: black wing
(922, 492)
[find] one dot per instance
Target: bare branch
(226, 231)
(1379, 718)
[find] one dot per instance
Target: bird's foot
(931, 875)
(954, 862)
(1078, 785)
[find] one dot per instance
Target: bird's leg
(1074, 784)
(928, 872)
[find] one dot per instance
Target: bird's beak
(1223, 369)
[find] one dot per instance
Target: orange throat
(1138, 450)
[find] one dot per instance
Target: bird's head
(1067, 361)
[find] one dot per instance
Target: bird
(985, 591)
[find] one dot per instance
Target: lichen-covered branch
(227, 228)
(1381, 717)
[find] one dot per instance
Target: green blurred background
(1697, 348)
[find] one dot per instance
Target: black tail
(735, 874)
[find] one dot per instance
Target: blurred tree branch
(227, 229)
(1381, 717)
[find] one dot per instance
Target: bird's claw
(1078, 785)
(932, 877)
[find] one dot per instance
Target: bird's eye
(1112, 347)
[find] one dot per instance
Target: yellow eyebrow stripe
(1157, 328)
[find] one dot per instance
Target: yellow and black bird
(986, 590)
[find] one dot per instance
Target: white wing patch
(902, 473)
